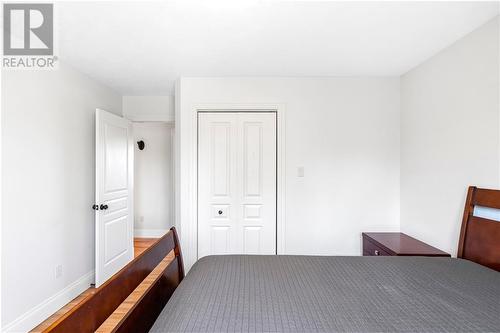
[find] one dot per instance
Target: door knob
(103, 207)
(220, 212)
(95, 207)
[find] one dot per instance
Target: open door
(114, 226)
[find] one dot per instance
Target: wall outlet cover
(58, 271)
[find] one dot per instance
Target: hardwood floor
(140, 245)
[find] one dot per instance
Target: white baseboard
(42, 311)
(153, 233)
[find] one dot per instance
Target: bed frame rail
(92, 312)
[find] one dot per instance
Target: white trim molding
(187, 172)
(148, 108)
(150, 233)
(45, 309)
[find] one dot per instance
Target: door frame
(187, 212)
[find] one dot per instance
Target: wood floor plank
(141, 244)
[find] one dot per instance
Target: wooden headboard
(480, 237)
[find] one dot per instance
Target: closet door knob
(103, 207)
(95, 207)
(220, 212)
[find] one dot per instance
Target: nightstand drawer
(370, 249)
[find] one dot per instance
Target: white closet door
(236, 183)
(217, 190)
(256, 181)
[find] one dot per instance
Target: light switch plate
(300, 172)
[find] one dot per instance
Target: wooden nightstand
(397, 244)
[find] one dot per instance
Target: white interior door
(114, 195)
(236, 183)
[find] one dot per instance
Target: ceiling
(141, 48)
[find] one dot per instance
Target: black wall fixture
(141, 145)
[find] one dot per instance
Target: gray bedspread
(334, 294)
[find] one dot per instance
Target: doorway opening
(153, 179)
(134, 189)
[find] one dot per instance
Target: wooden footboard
(133, 298)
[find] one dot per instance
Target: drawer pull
(377, 253)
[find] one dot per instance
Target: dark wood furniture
(92, 312)
(479, 242)
(397, 244)
(479, 237)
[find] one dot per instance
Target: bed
(305, 293)
(334, 294)
(240, 293)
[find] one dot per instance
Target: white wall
(47, 189)
(153, 179)
(343, 131)
(449, 135)
(148, 108)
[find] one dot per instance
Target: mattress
(334, 294)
